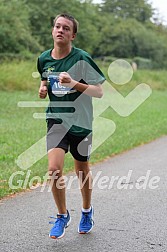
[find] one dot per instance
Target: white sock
(64, 215)
(86, 210)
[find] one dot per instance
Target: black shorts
(59, 137)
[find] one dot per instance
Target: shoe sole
(54, 237)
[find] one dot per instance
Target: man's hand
(66, 80)
(43, 92)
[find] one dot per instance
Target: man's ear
(73, 36)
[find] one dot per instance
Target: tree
(140, 10)
(15, 33)
(130, 39)
(89, 19)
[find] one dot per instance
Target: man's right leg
(55, 167)
(56, 162)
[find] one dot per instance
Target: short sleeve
(86, 70)
(40, 69)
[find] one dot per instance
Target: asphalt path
(130, 202)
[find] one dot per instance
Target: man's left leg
(83, 172)
(85, 178)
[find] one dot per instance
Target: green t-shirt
(69, 106)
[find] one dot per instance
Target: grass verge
(19, 131)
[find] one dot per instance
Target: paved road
(127, 217)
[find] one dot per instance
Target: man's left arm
(88, 89)
(91, 90)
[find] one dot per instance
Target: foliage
(143, 63)
(115, 28)
(140, 10)
(15, 33)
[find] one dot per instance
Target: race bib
(57, 88)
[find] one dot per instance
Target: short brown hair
(69, 17)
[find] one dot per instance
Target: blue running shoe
(61, 223)
(86, 223)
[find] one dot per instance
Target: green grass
(18, 76)
(19, 130)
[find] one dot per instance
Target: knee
(85, 172)
(55, 171)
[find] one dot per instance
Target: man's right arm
(43, 89)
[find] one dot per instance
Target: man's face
(63, 31)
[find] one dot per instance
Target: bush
(143, 63)
(24, 55)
